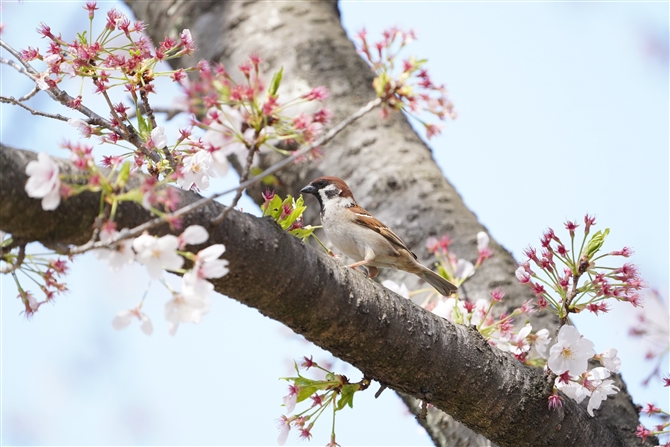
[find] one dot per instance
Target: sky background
(563, 110)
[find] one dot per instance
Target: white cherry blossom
(193, 235)
(571, 352)
(482, 241)
(191, 304)
(118, 257)
(464, 269)
(610, 360)
(541, 343)
(125, 317)
(158, 253)
(43, 181)
(208, 264)
(196, 169)
(158, 137)
(518, 344)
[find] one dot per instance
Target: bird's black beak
(309, 189)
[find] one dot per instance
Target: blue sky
(563, 110)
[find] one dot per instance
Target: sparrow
(366, 240)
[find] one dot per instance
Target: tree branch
(389, 338)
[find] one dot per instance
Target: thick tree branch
(378, 158)
(389, 338)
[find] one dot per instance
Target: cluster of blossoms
(246, 119)
(455, 269)
(569, 358)
(45, 272)
(167, 253)
(238, 119)
(568, 281)
(119, 55)
(333, 389)
(662, 429)
(409, 89)
(571, 281)
(499, 331)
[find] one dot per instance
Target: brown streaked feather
(363, 217)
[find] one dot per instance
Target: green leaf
(305, 392)
(347, 396)
(7, 241)
(124, 175)
(302, 233)
(276, 80)
(595, 243)
(145, 131)
(274, 208)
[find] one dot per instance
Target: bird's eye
(321, 183)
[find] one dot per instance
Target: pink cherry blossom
(284, 429)
(44, 181)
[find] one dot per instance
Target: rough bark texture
(390, 339)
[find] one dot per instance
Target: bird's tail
(443, 286)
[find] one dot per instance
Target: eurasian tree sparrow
(360, 236)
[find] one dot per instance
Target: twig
(424, 410)
(171, 112)
(30, 94)
(12, 100)
(62, 97)
(206, 200)
(21, 70)
(380, 391)
(245, 176)
(17, 263)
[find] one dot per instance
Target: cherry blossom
(610, 360)
(519, 343)
(81, 125)
(193, 235)
(541, 343)
(208, 264)
(600, 388)
(123, 319)
(117, 257)
(183, 309)
(44, 181)
(284, 429)
(291, 399)
(464, 269)
(158, 253)
(571, 352)
(158, 137)
(196, 170)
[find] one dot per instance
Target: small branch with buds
(204, 201)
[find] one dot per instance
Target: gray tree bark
(389, 338)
